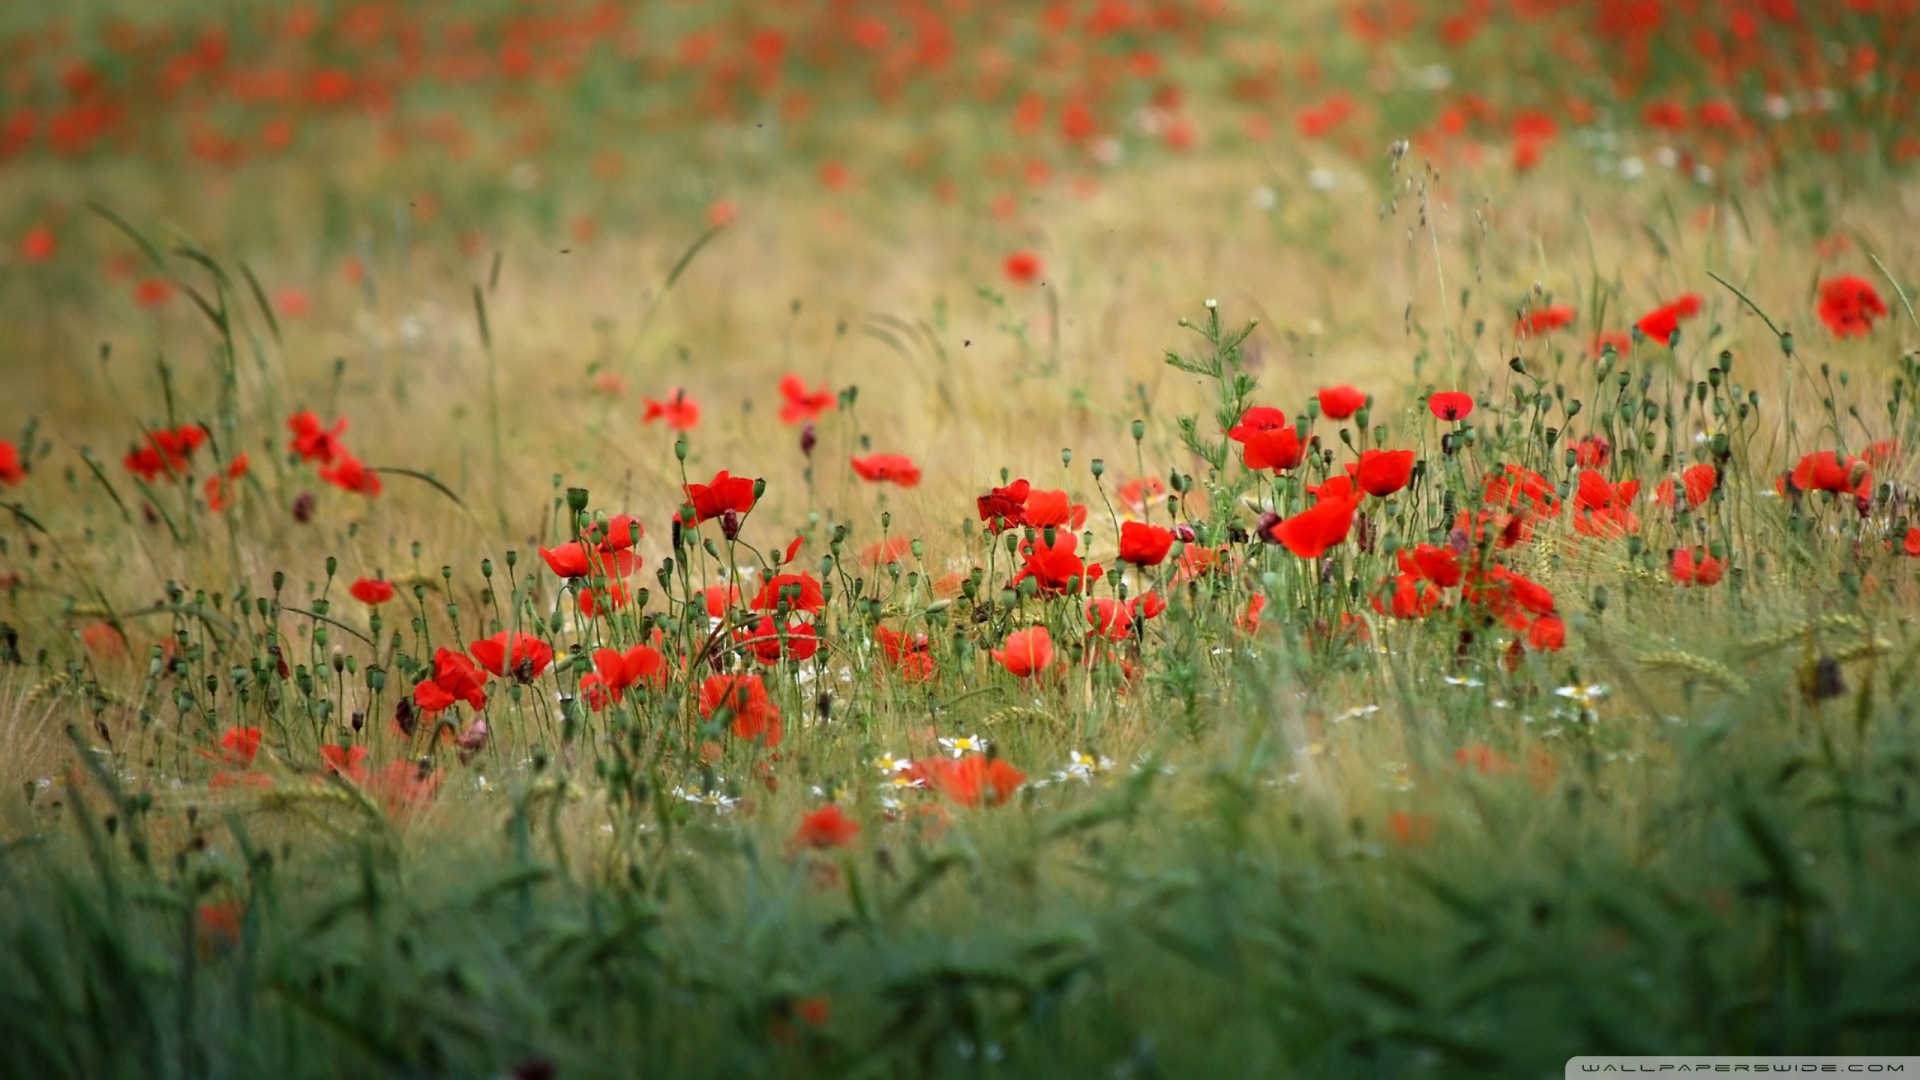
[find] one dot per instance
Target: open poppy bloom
(455, 679)
(1662, 323)
(1341, 402)
(909, 654)
(1026, 652)
(1848, 305)
(1436, 564)
(1592, 452)
(512, 653)
(347, 761)
(219, 488)
(1696, 482)
(797, 592)
(1312, 531)
(802, 405)
(348, 474)
(1005, 507)
(975, 779)
(1451, 405)
(1052, 508)
(1604, 509)
(404, 786)
(1267, 439)
(1541, 320)
(888, 469)
(371, 591)
(1406, 596)
(769, 641)
(238, 747)
(313, 441)
(1694, 566)
(754, 715)
(827, 827)
(1055, 567)
(717, 496)
(679, 411)
(1022, 267)
(1382, 472)
(11, 471)
(166, 452)
(1516, 487)
(1144, 545)
(615, 672)
(1823, 470)
(1112, 619)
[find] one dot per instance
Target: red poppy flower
(404, 786)
(1382, 472)
(1824, 471)
(1542, 320)
(679, 411)
(1662, 323)
(38, 244)
(314, 442)
(614, 673)
(1005, 507)
(1267, 439)
(219, 488)
(238, 746)
(1515, 487)
(827, 827)
(802, 406)
(348, 474)
(600, 600)
(1111, 619)
(1436, 564)
(347, 761)
(1144, 545)
(1451, 405)
(166, 452)
(1405, 596)
(1592, 452)
(1604, 509)
(512, 653)
(1022, 267)
(1848, 305)
(455, 678)
(11, 471)
(909, 654)
(1696, 481)
(1052, 508)
(881, 552)
(1341, 402)
(888, 468)
(1912, 544)
(1136, 494)
(1547, 634)
(745, 697)
(1484, 759)
(975, 779)
(1312, 531)
(723, 493)
(799, 592)
(1055, 568)
(152, 292)
(1249, 620)
(1026, 652)
(371, 591)
(1694, 566)
(769, 642)
(1620, 343)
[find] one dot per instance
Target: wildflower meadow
(956, 538)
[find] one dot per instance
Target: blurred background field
(497, 236)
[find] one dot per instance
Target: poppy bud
(486, 569)
(1184, 533)
(680, 448)
(1360, 417)
(1066, 456)
(376, 678)
(333, 565)
(303, 507)
(808, 440)
(759, 488)
(1573, 408)
(1517, 367)
(359, 720)
(1786, 343)
(576, 499)
(729, 526)
(1099, 467)
(1139, 430)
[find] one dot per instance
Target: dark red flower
(1341, 402)
(1005, 507)
(1451, 405)
(1848, 305)
(1144, 545)
(512, 653)
(801, 405)
(888, 468)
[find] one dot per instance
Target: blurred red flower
(1026, 651)
(888, 468)
(1023, 267)
(802, 405)
(975, 779)
(1662, 323)
(371, 591)
(1848, 305)
(1341, 402)
(679, 411)
(1144, 545)
(827, 827)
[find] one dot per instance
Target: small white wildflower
(963, 745)
(1357, 712)
(1456, 680)
(1583, 695)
